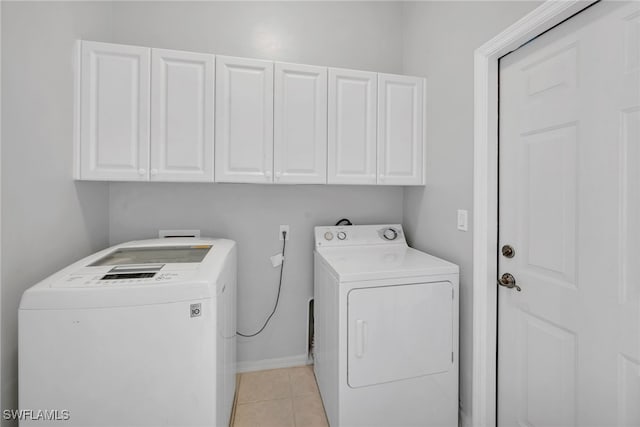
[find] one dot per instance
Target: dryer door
(399, 332)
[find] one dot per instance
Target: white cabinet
(114, 112)
(147, 114)
(352, 127)
(182, 116)
(244, 120)
(300, 124)
(400, 130)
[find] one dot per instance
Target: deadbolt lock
(508, 251)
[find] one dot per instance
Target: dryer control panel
(353, 235)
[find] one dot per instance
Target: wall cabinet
(352, 127)
(400, 130)
(182, 116)
(244, 120)
(114, 112)
(166, 115)
(145, 114)
(300, 126)
(376, 126)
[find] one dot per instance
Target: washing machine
(386, 329)
(140, 334)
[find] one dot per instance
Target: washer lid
(352, 264)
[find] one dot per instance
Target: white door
(569, 342)
(352, 127)
(300, 124)
(399, 332)
(400, 130)
(114, 120)
(182, 88)
(244, 120)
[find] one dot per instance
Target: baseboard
(282, 362)
(465, 420)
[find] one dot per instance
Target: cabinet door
(400, 130)
(244, 120)
(352, 127)
(114, 118)
(182, 89)
(300, 128)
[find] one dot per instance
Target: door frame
(485, 196)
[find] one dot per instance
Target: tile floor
(279, 398)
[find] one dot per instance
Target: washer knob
(342, 235)
(328, 235)
(390, 234)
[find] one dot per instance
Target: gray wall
(48, 220)
(251, 215)
(361, 35)
(440, 38)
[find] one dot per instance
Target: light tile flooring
(279, 398)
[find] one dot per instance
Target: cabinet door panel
(182, 116)
(300, 131)
(114, 119)
(244, 120)
(352, 127)
(400, 130)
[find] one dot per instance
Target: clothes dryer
(386, 329)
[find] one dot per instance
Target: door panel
(352, 127)
(630, 219)
(300, 130)
(569, 346)
(547, 372)
(182, 116)
(244, 120)
(114, 123)
(400, 130)
(399, 332)
(548, 220)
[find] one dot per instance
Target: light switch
(463, 220)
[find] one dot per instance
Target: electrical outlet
(284, 228)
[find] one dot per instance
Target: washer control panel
(109, 279)
(352, 235)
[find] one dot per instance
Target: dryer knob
(342, 235)
(328, 235)
(390, 234)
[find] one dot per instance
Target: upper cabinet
(164, 115)
(182, 116)
(352, 127)
(114, 112)
(300, 124)
(244, 120)
(145, 114)
(400, 130)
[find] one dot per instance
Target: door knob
(508, 281)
